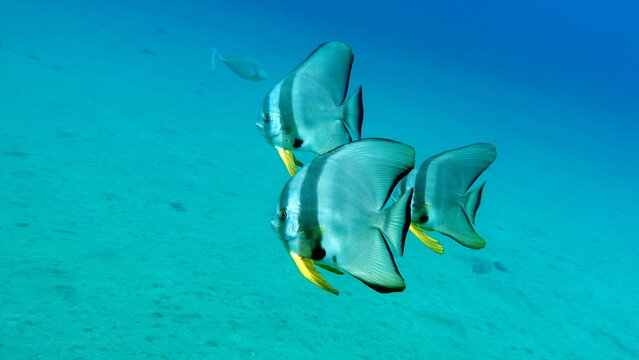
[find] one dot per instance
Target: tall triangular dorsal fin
(330, 66)
(455, 171)
(379, 164)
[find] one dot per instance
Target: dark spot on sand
(228, 193)
(65, 290)
(481, 266)
(178, 207)
(211, 343)
(499, 266)
(147, 52)
(14, 153)
(65, 232)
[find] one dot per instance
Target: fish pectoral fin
(308, 270)
(331, 269)
(289, 160)
(427, 240)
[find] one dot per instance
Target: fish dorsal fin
(374, 266)
(376, 164)
(457, 169)
(330, 66)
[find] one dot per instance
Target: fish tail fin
(460, 220)
(215, 57)
(397, 221)
(471, 201)
(354, 114)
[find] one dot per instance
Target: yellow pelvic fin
(427, 240)
(307, 268)
(289, 160)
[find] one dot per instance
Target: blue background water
(135, 192)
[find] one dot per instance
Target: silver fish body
(334, 212)
(308, 110)
(442, 199)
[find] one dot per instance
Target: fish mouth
(260, 128)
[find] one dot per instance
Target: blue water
(136, 193)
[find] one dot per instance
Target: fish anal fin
(431, 243)
(459, 228)
(375, 266)
(308, 270)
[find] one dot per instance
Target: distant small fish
(308, 110)
(334, 213)
(245, 67)
(442, 201)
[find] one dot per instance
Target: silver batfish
(308, 109)
(336, 213)
(442, 199)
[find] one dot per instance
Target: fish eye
(282, 215)
(267, 117)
